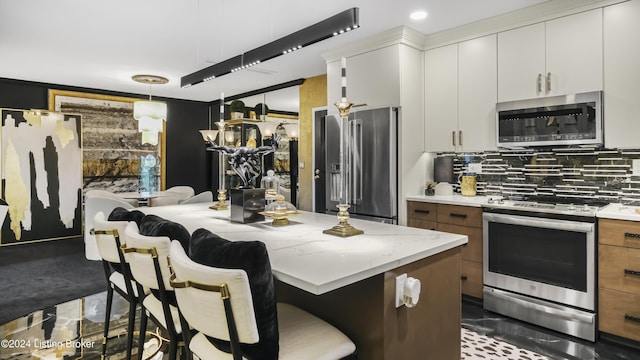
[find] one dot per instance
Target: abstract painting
(41, 176)
(112, 146)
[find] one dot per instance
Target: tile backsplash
(605, 174)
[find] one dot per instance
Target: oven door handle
(566, 225)
(529, 303)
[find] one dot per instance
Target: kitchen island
(350, 282)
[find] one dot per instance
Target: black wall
(185, 155)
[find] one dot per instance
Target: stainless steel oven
(539, 267)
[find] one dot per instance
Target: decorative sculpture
(147, 174)
(246, 161)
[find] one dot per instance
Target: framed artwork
(41, 172)
(112, 146)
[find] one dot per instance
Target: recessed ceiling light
(418, 15)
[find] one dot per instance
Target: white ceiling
(101, 44)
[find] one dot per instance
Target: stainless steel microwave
(551, 121)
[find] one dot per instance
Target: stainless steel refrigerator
(373, 187)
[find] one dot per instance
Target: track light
(333, 26)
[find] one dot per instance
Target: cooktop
(552, 204)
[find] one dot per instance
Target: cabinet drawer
(619, 313)
(619, 232)
(473, 249)
(423, 224)
(619, 268)
(422, 211)
(460, 215)
(471, 278)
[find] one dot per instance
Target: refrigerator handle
(353, 148)
(356, 154)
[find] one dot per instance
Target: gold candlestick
(344, 107)
(222, 191)
(343, 228)
(221, 204)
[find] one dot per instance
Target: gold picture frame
(91, 102)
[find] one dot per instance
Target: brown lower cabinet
(465, 220)
(619, 278)
(619, 313)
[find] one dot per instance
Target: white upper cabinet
(557, 57)
(574, 53)
(622, 75)
(460, 96)
(521, 63)
(441, 98)
(477, 94)
(373, 78)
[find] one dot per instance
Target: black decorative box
(246, 204)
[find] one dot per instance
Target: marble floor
(548, 343)
(73, 330)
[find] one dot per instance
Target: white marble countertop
(456, 199)
(619, 212)
(611, 211)
(302, 256)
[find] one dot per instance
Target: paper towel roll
(411, 292)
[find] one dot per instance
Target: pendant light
(209, 135)
(150, 114)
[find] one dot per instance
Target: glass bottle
(271, 185)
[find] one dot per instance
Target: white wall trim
(534, 14)
(407, 36)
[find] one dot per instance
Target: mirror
(282, 103)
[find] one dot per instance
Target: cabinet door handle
(464, 216)
(453, 138)
(631, 272)
(632, 318)
(460, 137)
(632, 235)
(548, 82)
(421, 211)
(463, 277)
(539, 83)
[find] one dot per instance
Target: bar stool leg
(143, 332)
(107, 318)
(130, 327)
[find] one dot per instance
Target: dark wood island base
(366, 311)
